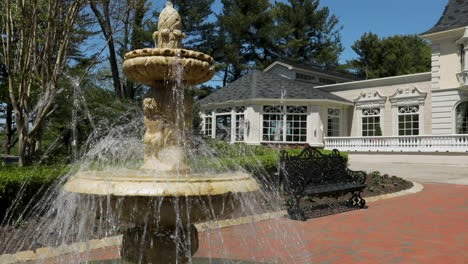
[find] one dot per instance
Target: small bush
(21, 185)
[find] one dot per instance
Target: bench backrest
(311, 168)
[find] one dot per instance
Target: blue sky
(383, 17)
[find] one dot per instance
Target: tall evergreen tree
(307, 33)
(392, 56)
(195, 20)
(242, 37)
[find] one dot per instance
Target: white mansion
(300, 104)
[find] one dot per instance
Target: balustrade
(432, 143)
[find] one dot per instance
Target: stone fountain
(163, 199)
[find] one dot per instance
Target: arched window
(461, 118)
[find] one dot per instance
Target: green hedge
(23, 184)
(262, 162)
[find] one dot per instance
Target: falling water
(61, 218)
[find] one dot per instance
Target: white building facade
(297, 104)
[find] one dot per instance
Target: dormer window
(326, 81)
(304, 77)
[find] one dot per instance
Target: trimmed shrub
(260, 161)
(21, 185)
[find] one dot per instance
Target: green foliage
(262, 162)
(195, 15)
(20, 186)
(96, 108)
(392, 56)
(253, 34)
(307, 33)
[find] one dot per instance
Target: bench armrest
(358, 176)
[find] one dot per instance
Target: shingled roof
(454, 16)
(262, 85)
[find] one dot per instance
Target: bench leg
(357, 200)
(295, 212)
(361, 201)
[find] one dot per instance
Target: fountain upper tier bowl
(148, 66)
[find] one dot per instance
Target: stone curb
(82, 247)
(417, 187)
(48, 252)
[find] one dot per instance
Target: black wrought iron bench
(312, 173)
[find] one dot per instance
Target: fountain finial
(169, 34)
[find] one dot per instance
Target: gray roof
(262, 85)
(309, 67)
(454, 16)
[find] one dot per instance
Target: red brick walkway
(427, 227)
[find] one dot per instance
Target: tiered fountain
(164, 198)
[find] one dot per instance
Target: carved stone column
(168, 117)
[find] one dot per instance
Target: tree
(307, 33)
(392, 56)
(242, 38)
(195, 14)
(35, 52)
(101, 9)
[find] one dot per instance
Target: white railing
(433, 143)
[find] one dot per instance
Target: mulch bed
(26, 232)
(377, 184)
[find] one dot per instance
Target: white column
(313, 126)
(213, 125)
(253, 115)
(395, 120)
(233, 124)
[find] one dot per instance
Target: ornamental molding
(463, 79)
(406, 96)
(370, 99)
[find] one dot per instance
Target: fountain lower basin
(155, 183)
(162, 207)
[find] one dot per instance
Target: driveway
(436, 173)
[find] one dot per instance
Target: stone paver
(427, 227)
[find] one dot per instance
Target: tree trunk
(10, 141)
(106, 28)
(114, 68)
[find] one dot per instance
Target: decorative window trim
(408, 113)
(372, 112)
(286, 113)
(229, 111)
(224, 110)
(410, 96)
(370, 99)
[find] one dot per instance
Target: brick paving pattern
(427, 227)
